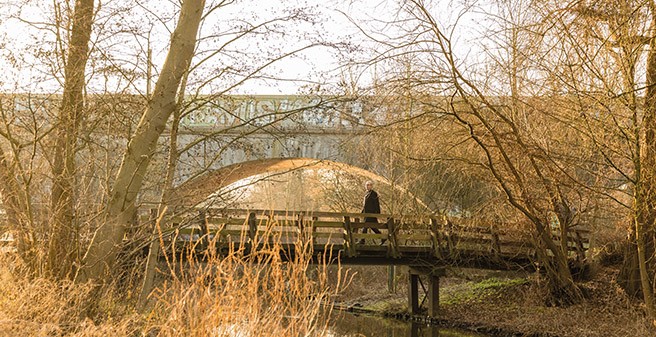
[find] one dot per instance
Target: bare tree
(63, 243)
(606, 59)
(107, 239)
(515, 137)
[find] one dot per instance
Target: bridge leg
(413, 293)
(391, 279)
(432, 293)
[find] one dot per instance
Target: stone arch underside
(197, 190)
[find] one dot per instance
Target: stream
(346, 324)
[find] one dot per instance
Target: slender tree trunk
(645, 195)
(63, 244)
(629, 276)
(108, 238)
(562, 287)
(17, 210)
(154, 246)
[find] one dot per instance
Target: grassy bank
(507, 304)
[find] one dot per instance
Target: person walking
(370, 205)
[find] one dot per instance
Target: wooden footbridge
(426, 244)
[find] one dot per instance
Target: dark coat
(371, 205)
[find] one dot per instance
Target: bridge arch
(200, 188)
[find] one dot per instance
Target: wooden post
(435, 238)
(302, 233)
(414, 329)
(252, 226)
(451, 237)
(391, 279)
(413, 292)
(392, 248)
(204, 231)
(433, 295)
(356, 221)
(580, 249)
(349, 237)
(496, 247)
(314, 230)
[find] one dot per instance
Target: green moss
(453, 333)
(496, 283)
(478, 291)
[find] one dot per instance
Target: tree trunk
(563, 290)
(63, 244)
(154, 246)
(645, 195)
(629, 276)
(107, 239)
(15, 204)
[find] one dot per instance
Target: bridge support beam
(432, 293)
(413, 293)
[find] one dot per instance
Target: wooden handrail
(439, 239)
(294, 213)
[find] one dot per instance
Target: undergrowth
(240, 293)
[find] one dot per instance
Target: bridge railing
(399, 236)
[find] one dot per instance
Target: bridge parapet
(281, 111)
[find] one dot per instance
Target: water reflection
(352, 325)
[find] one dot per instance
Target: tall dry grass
(42, 307)
(241, 293)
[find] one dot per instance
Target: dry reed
(250, 290)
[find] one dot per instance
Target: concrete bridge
(216, 132)
(194, 191)
(222, 140)
(237, 129)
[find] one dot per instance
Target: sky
(125, 29)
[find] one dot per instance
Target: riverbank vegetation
(545, 119)
(508, 303)
(254, 294)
